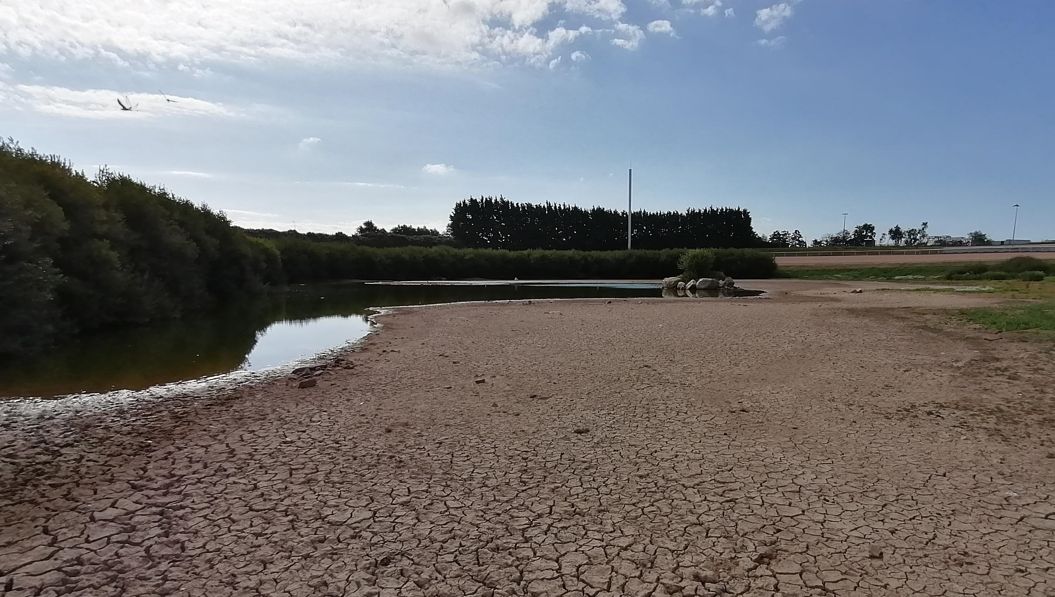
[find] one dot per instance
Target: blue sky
(321, 115)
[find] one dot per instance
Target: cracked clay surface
(831, 444)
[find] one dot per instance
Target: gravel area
(816, 442)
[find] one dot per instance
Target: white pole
(1014, 227)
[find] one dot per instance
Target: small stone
(311, 382)
(875, 552)
(581, 430)
(480, 380)
(857, 291)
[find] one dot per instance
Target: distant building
(1017, 241)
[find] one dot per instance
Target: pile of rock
(676, 283)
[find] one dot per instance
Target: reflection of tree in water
(219, 342)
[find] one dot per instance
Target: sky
(320, 114)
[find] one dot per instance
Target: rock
(707, 284)
(311, 382)
(671, 282)
(301, 371)
(681, 286)
(481, 380)
(581, 430)
(691, 285)
(857, 291)
(729, 282)
(875, 552)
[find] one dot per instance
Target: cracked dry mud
(806, 445)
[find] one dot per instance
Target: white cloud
(662, 27)
(710, 8)
(580, 56)
(192, 35)
(628, 37)
(776, 42)
(660, 4)
(553, 64)
(189, 174)
(358, 184)
(308, 143)
(610, 10)
(102, 103)
(438, 169)
(771, 18)
(730, 13)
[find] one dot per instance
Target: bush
(1004, 270)
(696, 264)
(1018, 265)
(79, 255)
(1036, 276)
(307, 261)
(745, 263)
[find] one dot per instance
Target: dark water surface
(275, 331)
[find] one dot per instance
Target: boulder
(671, 282)
(691, 285)
(707, 284)
(311, 382)
(728, 283)
(681, 287)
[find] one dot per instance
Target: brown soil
(818, 442)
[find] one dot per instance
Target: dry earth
(817, 443)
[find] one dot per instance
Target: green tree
(897, 235)
(368, 227)
(780, 238)
(979, 238)
(863, 235)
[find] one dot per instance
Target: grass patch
(1035, 317)
(884, 272)
(1029, 269)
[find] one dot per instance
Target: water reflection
(258, 334)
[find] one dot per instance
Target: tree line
(79, 254)
(864, 235)
(497, 223)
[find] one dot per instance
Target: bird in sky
(126, 106)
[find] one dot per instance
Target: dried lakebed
(817, 443)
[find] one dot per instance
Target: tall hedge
(78, 255)
(497, 223)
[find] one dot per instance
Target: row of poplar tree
(497, 223)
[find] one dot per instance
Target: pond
(278, 330)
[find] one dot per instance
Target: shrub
(1035, 276)
(1017, 265)
(967, 272)
(745, 263)
(696, 264)
(996, 276)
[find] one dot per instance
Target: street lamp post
(1014, 226)
(844, 222)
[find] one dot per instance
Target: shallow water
(275, 331)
